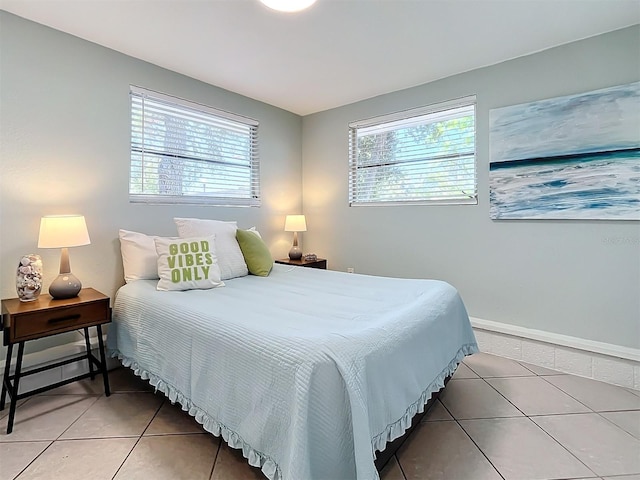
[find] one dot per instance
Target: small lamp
(63, 231)
(295, 224)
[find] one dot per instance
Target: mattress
(309, 372)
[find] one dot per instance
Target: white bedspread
(308, 371)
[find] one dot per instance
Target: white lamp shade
(61, 231)
(288, 5)
(295, 223)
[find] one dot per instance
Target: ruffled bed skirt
(397, 429)
(265, 463)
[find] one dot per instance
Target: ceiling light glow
(288, 5)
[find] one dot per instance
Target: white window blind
(419, 156)
(184, 152)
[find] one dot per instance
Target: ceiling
(335, 53)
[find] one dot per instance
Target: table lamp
(63, 231)
(295, 224)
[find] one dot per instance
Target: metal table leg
(5, 378)
(86, 341)
(103, 362)
(16, 384)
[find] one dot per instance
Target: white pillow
(187, 263)
(230, 256)
(139, 257)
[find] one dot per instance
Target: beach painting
(572, 157)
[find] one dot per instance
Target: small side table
(44, 317)
(319, 263)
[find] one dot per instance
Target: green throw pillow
(255, 252)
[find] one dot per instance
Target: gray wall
(577, 278)
(64, 148)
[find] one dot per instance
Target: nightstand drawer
(41, 323)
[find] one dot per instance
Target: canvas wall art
(572, 157)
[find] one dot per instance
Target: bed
(310, 372)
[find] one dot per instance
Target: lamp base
(66, 285)
(295, 253)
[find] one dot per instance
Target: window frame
(194, 109)
(404, 119)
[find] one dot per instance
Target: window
(420, 156)
(184, 152)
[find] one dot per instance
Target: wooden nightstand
(319, 263)
(24, 321)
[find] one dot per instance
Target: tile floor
(496, 419)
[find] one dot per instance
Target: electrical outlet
(351, 270)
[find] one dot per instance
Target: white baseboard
(605, 362)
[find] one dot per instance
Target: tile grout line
(528, 417)
(115, 474)
(591, 410)
(562, 445)
(472, 440)
(615, 425)
(479, 449)
(525, 416)
(551, 436)
(51, 442)
(97, 397)
(499, 393)
(215, 460)
(124, 460)
(404, 477)
(491, 418)
(566, 393)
